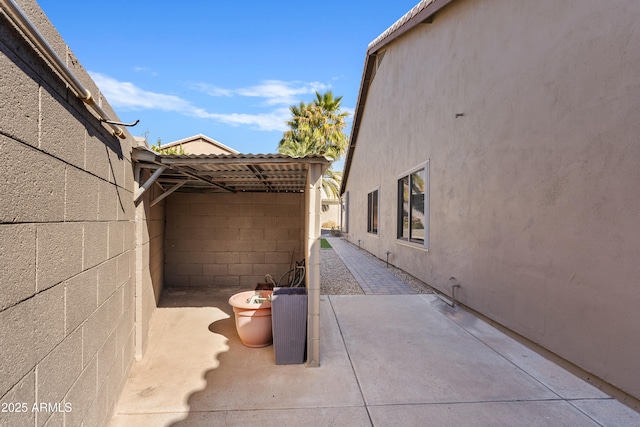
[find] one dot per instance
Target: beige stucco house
(94, 226)
(201, 144)
(505, 137)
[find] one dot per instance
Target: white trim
(427, 217)
(424, 165)
(412, 245)
(371, 233)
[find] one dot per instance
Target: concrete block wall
(66, 243)
(231, 239)
(150, 225)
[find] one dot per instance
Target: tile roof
(400, 22)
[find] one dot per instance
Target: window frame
(407, 177)
(373, 215)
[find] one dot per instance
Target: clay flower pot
(253, 319)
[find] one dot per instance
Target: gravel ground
(336, 279)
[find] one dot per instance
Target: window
(372, 212)
(413, 206)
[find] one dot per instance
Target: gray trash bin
(289, 324)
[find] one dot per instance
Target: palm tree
(318, 128)
(319, 125)
(331, 181)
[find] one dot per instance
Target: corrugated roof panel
(240, 172)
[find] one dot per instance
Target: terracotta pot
(253, 321)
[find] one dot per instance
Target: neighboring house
(201, 144)
(93, 225)
(505, 140)
(330, 216)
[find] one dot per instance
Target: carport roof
(227, 173)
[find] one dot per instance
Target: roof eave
(423, 12)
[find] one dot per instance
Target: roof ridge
(400, 22)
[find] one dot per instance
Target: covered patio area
(215, 222)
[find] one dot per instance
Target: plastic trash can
(289, 325)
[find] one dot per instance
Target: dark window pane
(374, 210)
(403, 208)
(417, 207)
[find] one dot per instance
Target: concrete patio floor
(385, 360)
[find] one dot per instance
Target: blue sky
(228, 69)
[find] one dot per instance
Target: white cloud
(278, 92)
(128, 96)
(145, 70)
(211, 90)
(350, 110)
(274, 92)
(275, 120)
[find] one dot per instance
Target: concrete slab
(250, 379)
(608, 412)
(482, 414)
(181, 350)
(553, 376)
(352, 417)
(197, 368)
(414, 354)
(385, 360)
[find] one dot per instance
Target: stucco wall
(332, 214)
(200, 146)
(231, 239)
(66, 242)
(534, 200)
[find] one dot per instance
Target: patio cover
(236, 173)
(225, 173)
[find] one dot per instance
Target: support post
(144, 187)
(313, 202)
(166, 193)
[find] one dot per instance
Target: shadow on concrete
(247, 386)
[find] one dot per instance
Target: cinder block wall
(231, 239)
(66, 243)
(149, 262)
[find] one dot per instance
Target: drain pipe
(453, 294)
(451, 303)
(388, 253)
(20, 20)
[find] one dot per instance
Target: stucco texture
(528, 114)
